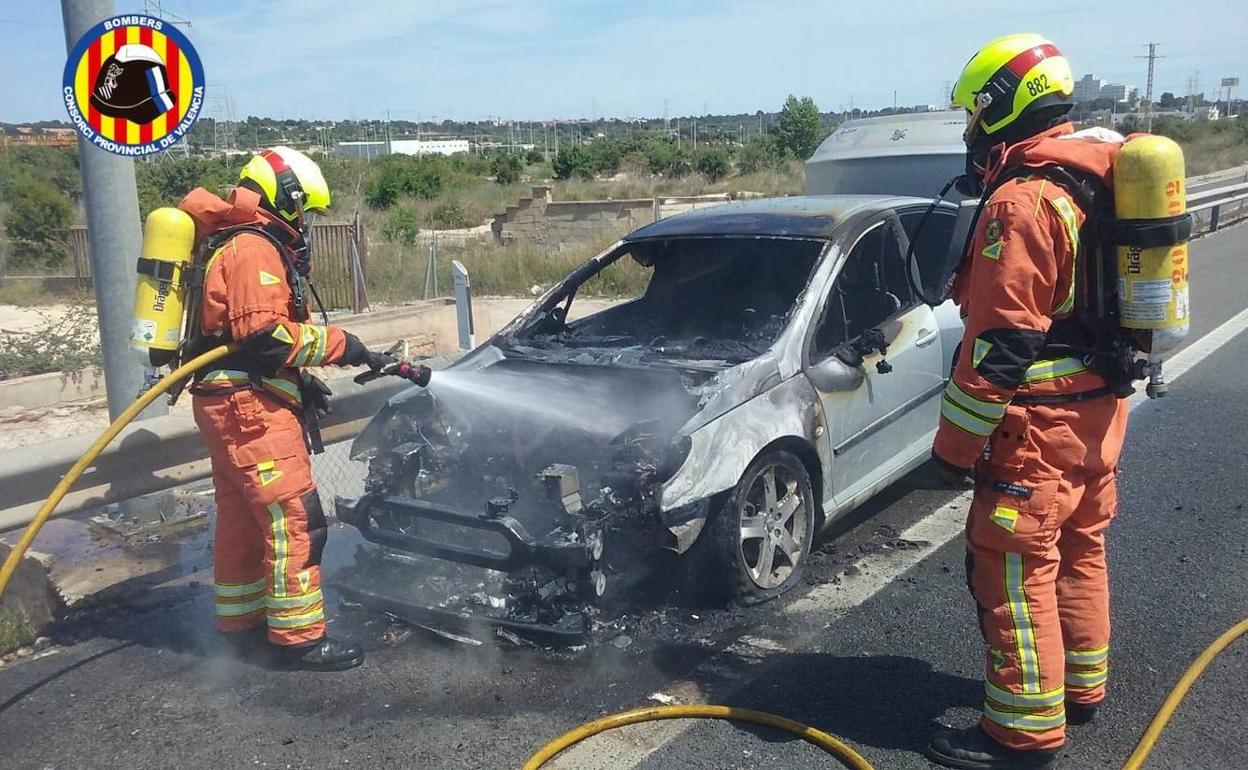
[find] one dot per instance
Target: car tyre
(758, 541)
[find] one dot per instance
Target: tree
(573, 162)
(797, 131)
(506, 168)
(713, 164)
(37, 212)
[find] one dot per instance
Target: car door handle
(925, 337)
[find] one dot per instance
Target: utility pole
(111, 201)
(1147, 107)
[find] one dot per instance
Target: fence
(340, 253)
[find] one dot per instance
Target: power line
(1147, 107)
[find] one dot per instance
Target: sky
(565, 59)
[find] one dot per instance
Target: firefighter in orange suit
(1027, 418)
(252, 407)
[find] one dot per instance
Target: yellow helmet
(1011, 77)
(288, 181)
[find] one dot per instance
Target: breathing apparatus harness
(1093, 331)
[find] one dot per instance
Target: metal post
(1213, 218)
(463, 305)
(112, 205)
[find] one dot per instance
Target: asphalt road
(877, 647)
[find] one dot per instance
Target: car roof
(800, 216)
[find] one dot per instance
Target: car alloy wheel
(772, 522)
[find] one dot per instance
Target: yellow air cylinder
(168, 238)
(1149, 190)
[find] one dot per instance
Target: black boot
(324, 654)
(1081, 713)
(973, 749)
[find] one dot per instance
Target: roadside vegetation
(61, 342)
(404, 201)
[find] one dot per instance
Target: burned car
(777, 370)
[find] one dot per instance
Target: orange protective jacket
(1019, 278)
(247, 297)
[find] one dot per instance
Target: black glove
(315, 394)
(953, 477)
(356, 354)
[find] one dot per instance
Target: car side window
(931, 246)
(871, 288)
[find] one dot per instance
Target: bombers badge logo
(133, 85)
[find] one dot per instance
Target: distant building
(1208, 112)
(1090, 88)
(401, 147)
(45, 137)
(1118, 92)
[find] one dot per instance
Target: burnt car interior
(722, 300)
(871, 289)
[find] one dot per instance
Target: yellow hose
(1150, 736)
(828, 743)
(839, 749)
(84, 462)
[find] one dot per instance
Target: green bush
(422, 176)
(534, 156)
(604, 157)
(573, 162)
(506, 168)
(401, 226)
(37, 211)
(713, 164)
(450, 214)
(57, 166)
(667, 159)
(759, 154)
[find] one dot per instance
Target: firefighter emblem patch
(133, 85)
(993, 230)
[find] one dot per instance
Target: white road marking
(726, 672)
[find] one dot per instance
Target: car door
(879, 419)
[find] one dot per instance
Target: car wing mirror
(833, 374)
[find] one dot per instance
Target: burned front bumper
(544, 584)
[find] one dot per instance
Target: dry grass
(26, 294)
(1214, 152)
(397, 274)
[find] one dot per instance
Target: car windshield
(720, 300)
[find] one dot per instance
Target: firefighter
(252, 406)
(1027, 418)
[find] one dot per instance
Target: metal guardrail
(160, 454)
(1214, 200)
(150, 456)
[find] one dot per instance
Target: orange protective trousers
(1036, 564)
(270, 526)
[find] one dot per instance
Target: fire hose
(106, 438)
(838, 748)
(829, 743)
